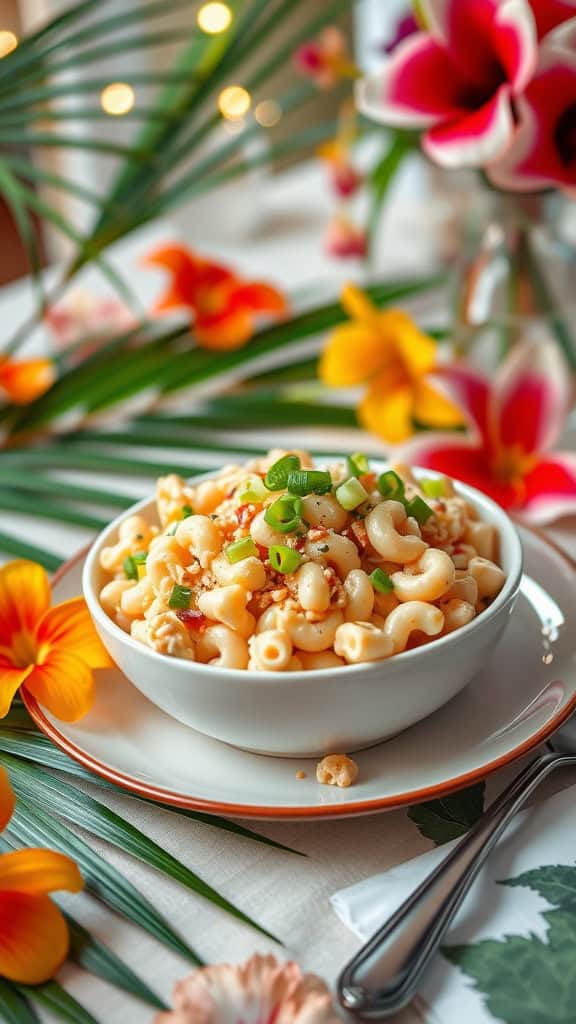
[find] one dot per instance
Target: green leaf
(94, 956)
(525, 980)
(383, 176)
(51, 997)
(38, 484)
(14, 501)
(33, 746)
(451, 816)
(22, 549)
(38, 788)
(14, 1009)
(555, 883)
(30, 827)
(67, 458)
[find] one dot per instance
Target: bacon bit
(318, 533)
(300, 543)
(359, 534)
(368, 481)
(191, 619)
(245, 514)
(262, 551)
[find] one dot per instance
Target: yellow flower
(388, 352)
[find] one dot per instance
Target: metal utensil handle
(382, 978)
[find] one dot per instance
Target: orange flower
(225, 308)
(33, 933)
(49, 651)
(326, 59)
(21, 381)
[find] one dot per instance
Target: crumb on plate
(300, 774)
(337, 770)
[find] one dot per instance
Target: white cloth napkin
(521, 938)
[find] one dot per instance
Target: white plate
(526, 691)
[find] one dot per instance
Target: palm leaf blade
(51, 997)
(94, 956)
(29, 826)
(16, 737)
(14, 1008)
(37, 787)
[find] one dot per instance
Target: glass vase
(517, 278)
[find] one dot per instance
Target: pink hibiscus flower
(515, 419)
(549, 14)
(458, 79)
(543, 153)
(262, 991)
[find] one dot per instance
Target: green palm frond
(162, 163)
(167, 361)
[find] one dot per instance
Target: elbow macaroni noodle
(225, 582)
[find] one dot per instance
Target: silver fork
(383, 976)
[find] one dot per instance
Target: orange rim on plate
(168, 796)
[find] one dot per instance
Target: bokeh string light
(234, 102)
(8, 42)
(117, 99)
(214, 18)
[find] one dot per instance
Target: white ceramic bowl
(310, 713)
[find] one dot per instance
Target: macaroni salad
(279, 566)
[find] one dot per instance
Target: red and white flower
(515, 420)
(458, 80)
(543, 153)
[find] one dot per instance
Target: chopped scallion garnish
(351, 494)
(285, 514)
(309, 481)
(433, 488)
(419, 510)
(240, 549)
(284, 559)
(391, 485)
(187, 510)
(180, 597)
(276, 478)
(357, 464)
(131, 563)
(252, 491)
(381, 581)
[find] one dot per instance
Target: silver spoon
(383, 976)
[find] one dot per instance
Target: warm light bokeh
(8, 42)
(268, 113)
(117, 98)
(214, 18)
(234, 102)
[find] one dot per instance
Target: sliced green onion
(285, 514)
(433, 488)
(240, 549)
(391, 485)
(172, 528)
(180, 597)
(381, 581)
(284, 559)
(252, 491)
(276, 478)
(131, 563)
(351, 494)
(357, 464)
(419, 510)
(309, 481)
(187, 510)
